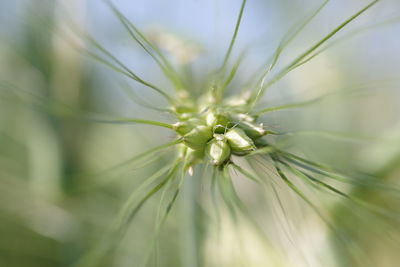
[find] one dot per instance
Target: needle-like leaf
(238, 21)
(258, 95)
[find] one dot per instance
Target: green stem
(129, 120)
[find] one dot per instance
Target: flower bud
(214, 118)
(239, 142)
(183, 127)
(252, 130)
(218, 151)
(198, 137)
(220, 121)
(244, 117)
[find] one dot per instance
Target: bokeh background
(58, 195)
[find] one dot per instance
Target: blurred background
(58, 195)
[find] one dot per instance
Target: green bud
(198, 137)
(218, 120)
(214, 118)
(252, 130)
(219, 151)
(244, 117)
(183, 127)
(239, 141)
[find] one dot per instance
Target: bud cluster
(216, 134)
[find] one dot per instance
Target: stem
(129, 120)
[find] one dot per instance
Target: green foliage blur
(60, 190)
